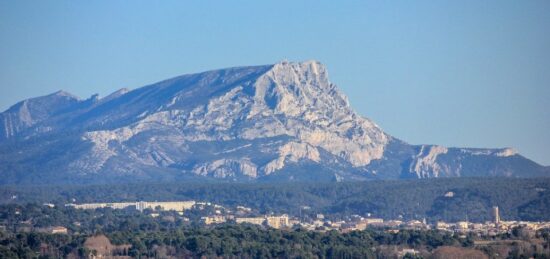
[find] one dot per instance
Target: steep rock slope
(267, 123)
(27, 113)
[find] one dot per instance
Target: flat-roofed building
(361, 225)
(53, 230)
(58, 230)
(217, 219)
(121, 205)
(373, 221)
(277, 221)
(441, 225)
(166, 205)
(255, 220)
(93, 206)
(141, 205)
(462, 224)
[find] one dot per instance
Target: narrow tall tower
(496, 215)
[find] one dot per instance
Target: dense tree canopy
(472, 198)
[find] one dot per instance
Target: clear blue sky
(456, 73)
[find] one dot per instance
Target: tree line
(471, 198)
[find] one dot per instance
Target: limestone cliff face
(245, 123)
(292, 100)
(23, 115)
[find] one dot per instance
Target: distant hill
(281, 122)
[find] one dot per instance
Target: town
(317, 222)
(110, 228)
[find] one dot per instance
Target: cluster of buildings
(284, 221)
(319, 222)
(277, 222)
(180, 206)
(490, 228)
(356, 222)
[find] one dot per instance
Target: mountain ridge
(285, 122)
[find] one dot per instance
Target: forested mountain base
(449, 200)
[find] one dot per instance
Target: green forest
(125, 233)
(130, 233)
(471, 199)
(243, 241)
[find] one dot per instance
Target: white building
(255, 220)
(141, 205)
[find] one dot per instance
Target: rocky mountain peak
(256, 122)
(27, 113)
(293, 88)
(63, 93)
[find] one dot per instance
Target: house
(217, 219)
(58, 230)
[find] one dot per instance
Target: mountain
(282, 122)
